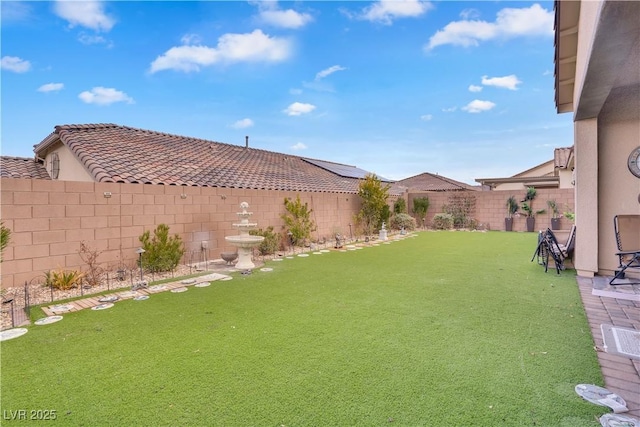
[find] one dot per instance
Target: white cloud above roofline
(509, 23)
(231, 48)
(104, 96)
(89, 14)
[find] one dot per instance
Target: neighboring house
(121, 154)
(22, 167)
(556, 173)
(597, 78)
(431, 182)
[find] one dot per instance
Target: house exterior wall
(491, 206)
(607, 128)
(49, 219)
(70, 168)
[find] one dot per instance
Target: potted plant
(555, 214)
(527, 207)
(512, 208)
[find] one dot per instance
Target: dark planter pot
(555, 223)
(531, 223)
(508, 224)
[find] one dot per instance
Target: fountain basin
(246, 241)
(229, 257)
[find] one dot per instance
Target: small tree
(420, 208)
(297, 220)
(374, 197)
(400, 206)
(90, 257)
(5, 237)
(162, 252)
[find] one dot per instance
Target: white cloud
(508, 82)
(295, 91)
(285, 18)
(426, 117)
(509, 23)
(270, 14)
(386, 11)
(478, 106)
(88, 14)
(242, 124)
(299, 108)
(231, 48)
(15, 64)
(471, 13)
(324, 73)
(51, 87)
(191, 39)
(104, 96)
(90, 39)
(15, 11)
(299, 146)
(450, 109)
(474, 88)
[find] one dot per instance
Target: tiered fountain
(244, 241)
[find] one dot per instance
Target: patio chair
(627, 231)
(549, 248)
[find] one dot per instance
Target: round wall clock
(634, 162)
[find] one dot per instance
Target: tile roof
(22, 167)
(113, 153)
(562, 157)
(432, 182)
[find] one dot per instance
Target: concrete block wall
(49, 219)
(491, 206)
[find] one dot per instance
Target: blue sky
(462, 89)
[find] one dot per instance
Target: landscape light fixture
(140, 251)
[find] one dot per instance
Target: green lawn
(444, 329)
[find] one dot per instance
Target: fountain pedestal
(244, 241)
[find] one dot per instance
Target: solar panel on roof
(346, 171)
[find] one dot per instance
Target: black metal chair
(549, 248)
(627, 231)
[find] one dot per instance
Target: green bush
(5, 237)
(297, 220)
(420, 208)
(400, 206)
(63, 279)
(398, 221)
(162, 252)
(271, 242)
(443, 221)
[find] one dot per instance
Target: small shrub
(162, 252)
(398, 221)
(63, 279)
(420, 208)
(443, 221)
(297, 220)
(90, 257)
(400, 206)
(271, 242)
(5, 237)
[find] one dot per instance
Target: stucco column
(586, 173)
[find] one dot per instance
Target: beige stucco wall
(620, 190)
(49, 219)
(589, 11)
(70, 168)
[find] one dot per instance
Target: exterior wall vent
(54, 165)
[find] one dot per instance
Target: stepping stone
(10, 334)
(110, 298)
(61, 307)
(48, 320)
(141, 298)
(179, 290)
(202, 285)
(103, 306)
(266, 269)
